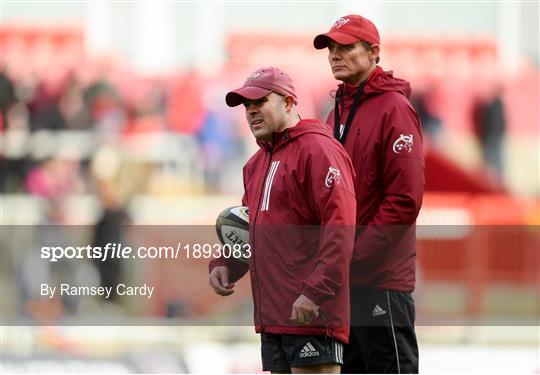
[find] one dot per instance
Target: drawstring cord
(323, 316)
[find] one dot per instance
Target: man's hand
(304, 310)
(219, 281)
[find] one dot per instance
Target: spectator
(490, 127)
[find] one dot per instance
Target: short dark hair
(369, 47)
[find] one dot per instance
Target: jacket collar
(302, 127)
(379, 81)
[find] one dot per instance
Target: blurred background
(113, 115)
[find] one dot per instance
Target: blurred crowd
(66, 136)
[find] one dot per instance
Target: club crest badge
(404, 143)
(252, 76)
(340, 22)
(333, 176)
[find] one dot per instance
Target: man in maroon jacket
(380, 130)
(300, 194)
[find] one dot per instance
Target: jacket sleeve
(236, 268)
(403, 183)
(331, 188)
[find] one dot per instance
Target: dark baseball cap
(261, 83)
(348, 30)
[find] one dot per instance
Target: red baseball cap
(261, 83)
(348, 30)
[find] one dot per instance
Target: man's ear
(374, 52)
(289, 102)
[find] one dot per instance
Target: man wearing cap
(380, 130)
(300, 194)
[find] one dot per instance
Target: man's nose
(251, 108)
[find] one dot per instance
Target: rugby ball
(232, 227)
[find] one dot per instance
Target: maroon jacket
(301, 203)
(385, 146)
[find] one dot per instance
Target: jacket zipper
(254, 223)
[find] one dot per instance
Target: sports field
(443, 350)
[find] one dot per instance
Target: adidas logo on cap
(308, 351)
(377, 310)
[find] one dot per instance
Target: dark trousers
(382, 337)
